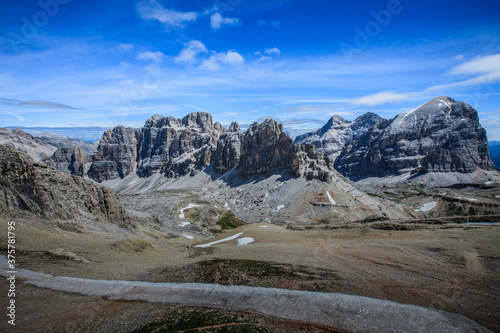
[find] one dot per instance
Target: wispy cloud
(217, 21)
(153, 10)
(482, 65)
(486, 70)
(382, 98)
(40, 104)
(196, 108)
(152, 56)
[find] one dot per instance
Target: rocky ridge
(29, 188)
(441, 136)
(338, 132)
(73, 161)
(177, 147)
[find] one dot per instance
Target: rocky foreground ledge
(339, 311)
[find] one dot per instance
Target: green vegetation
(473, 211)
(229, 221)
(251, 269)
(203, 320)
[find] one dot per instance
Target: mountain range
(441, 140)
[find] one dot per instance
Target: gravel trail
(339, 311)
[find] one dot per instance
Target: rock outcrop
(177, 147)
(73, 161)
(26, 143)
(116, 155)
(338, 132)
(442, 135)
(267, 149)
(228, 153)
(29, 188)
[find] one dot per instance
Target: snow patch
(220, 241)
(330, 198)
(187, 236)
(428, 206)
(471, 199)
(245, 241)
(263, 226)
(280, 207)
(191, 205)
(183, 224)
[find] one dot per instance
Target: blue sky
(107, 63)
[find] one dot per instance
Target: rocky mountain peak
(198, 119)
(266, 149)
(442, 135)
(160, 121)
(219, 128)
(234, 127)
(338, 132)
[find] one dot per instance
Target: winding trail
(343, 312)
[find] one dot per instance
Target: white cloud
(487, 68)
(216, 21)
(196, 108)
(190, 54)
(196, 52)
(216, 61)
(153, 10)
(264, 58)
(481, 65)
(459, 57)
(232, 58)
(382, 98)
(273, 51)
(153, 56)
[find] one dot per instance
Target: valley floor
(452, 268)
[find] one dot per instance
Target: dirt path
(340, 311)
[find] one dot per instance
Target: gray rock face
(28, 187)
(177, 147)
(116, 156)
(442, 135)
(62, 141)
(228, 153)
(73, 161)
(26, 143)
(338, 132)
(267, 149)
(174, 147)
